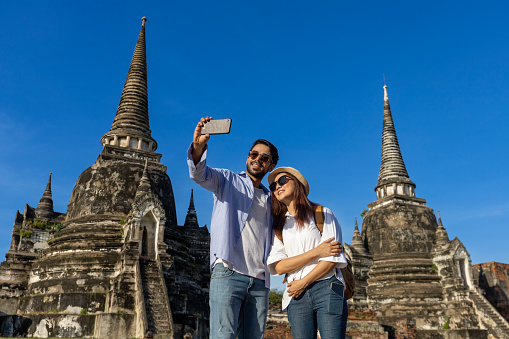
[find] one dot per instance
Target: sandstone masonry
(419, 283)
(116, 264)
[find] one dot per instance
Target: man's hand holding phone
(200, 140)
(202, 133)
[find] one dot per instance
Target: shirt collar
(265, 190)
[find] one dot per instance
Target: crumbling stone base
(452, 334)
(101, 326)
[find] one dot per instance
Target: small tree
(275, 297)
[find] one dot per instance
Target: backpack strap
(347, 271)
(319, 218)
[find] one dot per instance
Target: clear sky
(306, 75)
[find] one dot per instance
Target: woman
(310, 259)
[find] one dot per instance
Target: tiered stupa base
(406, 285)
(72, 288)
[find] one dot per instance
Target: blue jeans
(322, 305)
(238, 305)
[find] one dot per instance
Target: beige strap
(319, 218)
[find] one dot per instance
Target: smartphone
(217, 126)
(339, 288)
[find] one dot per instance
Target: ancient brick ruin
(116, 264)
(493, 278)
(419, 283)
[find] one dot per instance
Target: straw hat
(292, 171)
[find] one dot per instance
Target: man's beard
(257, 175)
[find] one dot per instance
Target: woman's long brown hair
(303, 206)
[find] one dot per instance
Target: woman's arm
(331, 228)
(296, 287)
(326, 249)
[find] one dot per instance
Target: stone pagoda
(417, 282)
(116, 264)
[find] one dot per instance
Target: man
(240, 238)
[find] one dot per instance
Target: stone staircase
(496, 325)
(156, 303)
(356, 329)
(278, 316)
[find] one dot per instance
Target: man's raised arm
(199, 140)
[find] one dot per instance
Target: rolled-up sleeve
(197, 172)
(277, 253)
(331, 229)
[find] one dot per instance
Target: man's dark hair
(273, 150)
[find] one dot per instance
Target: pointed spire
(191, 217)
(130, 127)
(441, 233)
(44, 209)
(393, 177)
(392, 165)
(144, 186)
(357, 242)
(191, 202)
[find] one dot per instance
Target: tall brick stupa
(116, 264)
(414, 280)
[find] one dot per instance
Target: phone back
(217, 126)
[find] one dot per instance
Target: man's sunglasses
(281, 181)
(263, 157)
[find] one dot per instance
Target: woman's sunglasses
(281, 181)
(263, 157)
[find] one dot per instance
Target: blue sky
(306, 75)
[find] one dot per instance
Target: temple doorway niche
(462, 270)
(465, 271)
(148, 230)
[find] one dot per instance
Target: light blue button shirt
(233, 197)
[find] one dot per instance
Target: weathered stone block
(115, 326)
(72, 303)
(8, 305)
(452, 334)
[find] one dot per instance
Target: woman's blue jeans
(322, 305)
(238, 305)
